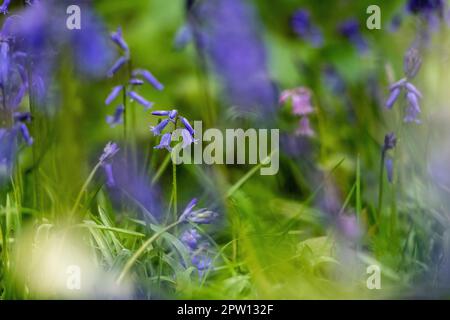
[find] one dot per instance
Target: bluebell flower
(160, 113)
(395, 93)
(190, 238)
(166, 139)
(413, 109)
(25, 134)
(389, 165)
(8, 150)
(188, 139)
(110, 181)
(149, 77)
(117, 38)
(390, 141)
(412, 63)
(303, 27)
(4, 6)
(109, 152)
(113, 95)
(117, 117)
(116, 66)
(173, 114)
(188, 209)
(160, 127)
(139, 99)
(22, 116)
(201, 216)
(187, 125)
(136, 82)
(202, 262)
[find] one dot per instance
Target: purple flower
(201, 216)
(413, 109)
(188, 139)
(389, 165)
(117, 117)
(110, 182)
(160, 113)
(301, 23)
(395, 93)
(190, 238)
(22, 116)
(412, 63)
(424, 6)
(113, 95)
(411, 88)
(201, 262)
(139, 99)
(160, 127)
(187, 125)
(109, 151)
(188, 209)
(301, 100)
(25, 134)
(350, 29)
(304, 128)
(149, 77)
(166, 139)
(7, 152)
(116, 66)
(4, 6)
(390, 141)
(117, 38)
(228, 34)
(136, 82)
(173, 114)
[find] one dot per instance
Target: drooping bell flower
(166, 139)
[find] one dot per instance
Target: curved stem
(84, 187)
(141, 250)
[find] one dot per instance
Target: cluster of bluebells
(305, 29)
(412, 65)
(105, 162)
(30, 42)
(135, 79)
(187, 132)
(197, 247)
(14, 85)
(301, 99)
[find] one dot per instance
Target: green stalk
(380, 187)
(84, 187)
(141, 250)
(174, 190)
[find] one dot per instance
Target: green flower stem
(84, 187)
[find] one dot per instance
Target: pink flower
(304, 128)
(301, 100)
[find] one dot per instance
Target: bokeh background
(309, 231)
